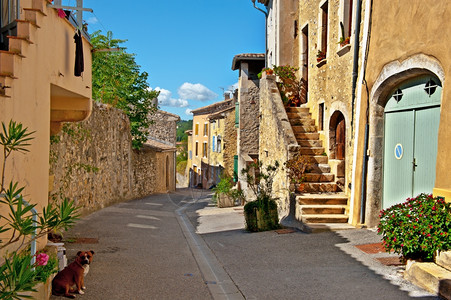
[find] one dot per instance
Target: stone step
(319, 168)
(304, 128)
(303, 121)
(315, 177)
(312, 151)
(430, 277)
(316, 159)
(298, 115)
(306, 135)
(444, 260)
(317, 187)
(297, 109)
(322, 199)
(322, 209)
(326, 218)
(310, 143)
(17, 44)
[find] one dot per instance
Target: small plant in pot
(320, 55)
(417, 228)
(261, 214)
(225, 194)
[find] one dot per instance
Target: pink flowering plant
(417, 227)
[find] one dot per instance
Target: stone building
(247, 111)
(201, 174)
(223, 143)
(39, 88)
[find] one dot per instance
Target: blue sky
(187, 47)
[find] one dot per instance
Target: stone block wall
(277, 140)
(92, 162)
(229, 142)
(164, 127)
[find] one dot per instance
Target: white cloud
(188, 112)
(165, 99)
(196, 91)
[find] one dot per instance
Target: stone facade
(277, 140)
(93, 163)
(329, 81)
(229, 143)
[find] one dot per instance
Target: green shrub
(417, 228)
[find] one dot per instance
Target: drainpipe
(358, 95)
(355, 64)
(33, 236)
(266, 31)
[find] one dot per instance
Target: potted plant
(297, 166)
(321, 55)
(261, 214)
(343, 41)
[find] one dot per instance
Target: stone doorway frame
(391, 75)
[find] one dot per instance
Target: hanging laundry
(79, 63)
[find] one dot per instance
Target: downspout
(33, 236)
(266, 31)
(358, 95)
(355, 64)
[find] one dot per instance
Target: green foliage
(183, 126)
(417, 227)
(16, 273)
(44, 272)
(181, 166)
(261, 214)
(118, 81)
(289, 86)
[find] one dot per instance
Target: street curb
(219, 283)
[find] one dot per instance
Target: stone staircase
(11, 59)
(321, 200)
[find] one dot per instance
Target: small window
(321, 116)
(204, 150)
(295, 29)
(213, 144)
(206, 129)
(218, 148)
(430, 87)
(398, 95)
(197, 148)
(196, 129)
(324, 26)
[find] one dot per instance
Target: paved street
(177, 246)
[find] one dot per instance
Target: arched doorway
(411, 121)
(337, 136)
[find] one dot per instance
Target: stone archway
(337, 136)
(391, 76)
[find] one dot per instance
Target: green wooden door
(412, 117)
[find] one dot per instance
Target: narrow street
(176, 246)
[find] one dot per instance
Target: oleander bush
(417, 227)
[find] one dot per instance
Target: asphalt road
(177, 246)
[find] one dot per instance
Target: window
(321, 116)
(196, 129)
(345, 18)
(205, 129)
(295, 31)
(8, 12)
(213, 144)
(204, 149)
(304, 63)
(218, 148)
(324, 18)
(237, 114)
(197, 148)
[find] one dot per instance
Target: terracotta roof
(160, 147)
(246, 57)
(207, 109)
(220, 114)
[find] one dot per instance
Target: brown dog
(71, 279)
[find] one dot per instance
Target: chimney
(226, 96)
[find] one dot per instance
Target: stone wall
(92, 162)
(249, 111)
(277, 140)
(329, 81)
(229, 142)
(164, 127)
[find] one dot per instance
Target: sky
(187, 47)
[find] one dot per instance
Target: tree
(118, 81)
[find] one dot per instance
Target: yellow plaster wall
(401, 30)
(48, 61)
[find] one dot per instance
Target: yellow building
(38, 87)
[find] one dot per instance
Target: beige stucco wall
(329, 82)
(43, 85)
(406, 40)
(199, 138)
